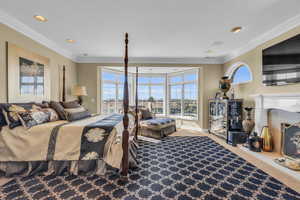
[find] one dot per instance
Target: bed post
(136, 104)
(125, 137)
(64, 84)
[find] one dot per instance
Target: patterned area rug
(176, 168)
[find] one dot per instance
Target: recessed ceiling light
(70, 41)
(40, 18)
(236, 29)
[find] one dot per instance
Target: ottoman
(158, 127)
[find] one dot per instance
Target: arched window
(239, 73)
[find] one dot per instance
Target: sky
(242, 74)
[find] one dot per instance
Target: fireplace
(272, 110)
(291, 140)
(281, 113)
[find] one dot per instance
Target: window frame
(150, 84)
(232, 70)
(166, 85)
(182, 83)
(117, 84)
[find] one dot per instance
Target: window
(31, 77)
(183, 94)
(174, 94)
(112, 92)
(151, 91)
(239, 73)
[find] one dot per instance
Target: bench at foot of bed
(157, 128)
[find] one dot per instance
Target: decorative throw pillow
(71, 104)
(59, 109)
(53, 114)
(146, 114)
(35, 107)
(75, 110)
(10, 112)
(43, 104)
(77, 115)
(33, 118)
(73, 114)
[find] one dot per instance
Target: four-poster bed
(125, 134)
(87, 145)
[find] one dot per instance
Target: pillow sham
(33, 117)
(59, 109)
(73, 114)
(75, 110)
(77, 115)
(42, 105)
(71, 104)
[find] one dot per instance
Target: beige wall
(56, 61)
(253, 59)
(209, 77)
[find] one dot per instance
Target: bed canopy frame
(125, 135)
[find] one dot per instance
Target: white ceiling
(159, 30)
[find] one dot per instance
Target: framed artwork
(28, 76)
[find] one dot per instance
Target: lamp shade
(79, 91)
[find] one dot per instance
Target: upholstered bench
(157, 127)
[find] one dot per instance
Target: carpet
(176, 168)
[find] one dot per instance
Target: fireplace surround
(265, 102)
(283, 108)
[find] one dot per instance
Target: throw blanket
(97, 137)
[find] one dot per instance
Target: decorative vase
(224, 85)
(267, 139)
(255, 143)
(248, 123)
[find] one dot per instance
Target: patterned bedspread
(97, 137)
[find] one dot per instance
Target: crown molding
(20, 27)
(149, 60)
(267, 36)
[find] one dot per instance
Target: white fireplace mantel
(264, 102)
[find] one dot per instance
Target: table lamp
(79, 91)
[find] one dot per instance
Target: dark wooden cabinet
(224, 116)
